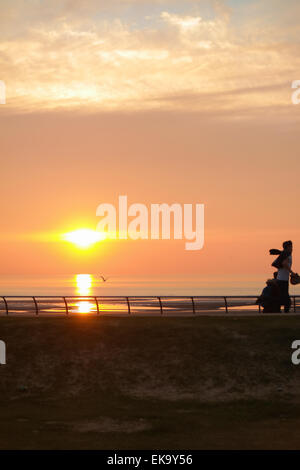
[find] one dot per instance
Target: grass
(148, 383)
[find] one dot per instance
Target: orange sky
(165, 102)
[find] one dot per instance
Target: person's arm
(286, 265)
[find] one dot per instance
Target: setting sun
(84, 237)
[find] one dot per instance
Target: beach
(106, 383)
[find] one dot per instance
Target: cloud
(184, 22)
(67, 57)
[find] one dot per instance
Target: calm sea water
(91, 284)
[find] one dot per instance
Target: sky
(163, 101)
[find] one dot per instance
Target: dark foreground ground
(133, 383)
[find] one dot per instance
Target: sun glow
(84, 238)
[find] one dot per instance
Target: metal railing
(163, 304)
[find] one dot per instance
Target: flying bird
(104, 279)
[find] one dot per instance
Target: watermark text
(2, 92)
(158, 222)
(2, 353)
(296, 93)
(296, 354)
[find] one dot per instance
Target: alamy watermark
(295, 358)
(296, 93)
(2, 352)
(2, 92)
(137, 221)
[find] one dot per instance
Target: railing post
(193, 303)
(66, 305)
(36, 306)
(97, 305)
(226, 305)
(128, 305)
(295, 304)
(6, 305)
(259, 308)
(160, 305)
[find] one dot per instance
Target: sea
(93, 284)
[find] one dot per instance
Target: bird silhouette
(104, 279)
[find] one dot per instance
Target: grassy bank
(149, 383)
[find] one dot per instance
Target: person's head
(271, 282)
(288, 246)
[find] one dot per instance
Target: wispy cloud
(72, 54)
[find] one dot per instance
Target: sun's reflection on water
(84, 283)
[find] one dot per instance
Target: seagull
(104, 279)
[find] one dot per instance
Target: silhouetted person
(284, 265)
(270, 297)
